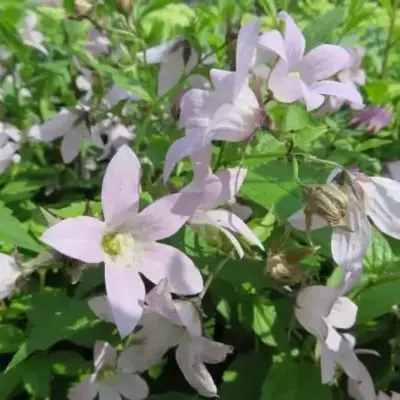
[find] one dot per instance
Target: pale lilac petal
(394, 169)
(298, 221)
(228, 220)
(339, 89)
(192, 106)
(104, 354)
(328, 365)
(78, 237)
(209, 351)
(343, 314)
(86, 390)
(242, 211)
(171, 70)
(382, 202)
(165, 216)
(133, 387)
(156, 54)
(349, 247)
(9, 273)
(56, 127)
(232, 180)
(285, 88)
(194, 371)
(218, 76)
(181, 148)
(201, 165)
(323, 62)
(124, 288)
(71, 142)
(101, 308)
(107, 392)
(293, 38)
(117, 94)
(273, 41)
(362, 388)
(189, 315)
(159, 261)
(245, 51)
(312, 99)
(120, 190)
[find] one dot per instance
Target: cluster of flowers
(127, 240)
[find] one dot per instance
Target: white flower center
(119, 247)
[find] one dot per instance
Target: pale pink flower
(379, 199)
(168, 323)
(297, 76)
(10, 271)
(107, 380)
(30, 36)
(321, 310)
(70, 124)
(127, 240)
(217, 114)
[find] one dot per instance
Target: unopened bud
(82, 8)
(328, 201)
(125, 6)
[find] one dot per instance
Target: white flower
(321, 310)
(30, 36)
(69, 124)
(107, 380)
(98, 43)
(168, 323)
(9, 273)
(9, 145)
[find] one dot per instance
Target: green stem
(389, 40)
(295, 166)
(220, 156)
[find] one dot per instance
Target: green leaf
(263, 227)
(373, 143)
(264, 316)
(12, 232)
(320, 28)
(377, 300)
(156, 5)
(68, 363)
(304, 137)
(36, 375)
(10, 338)
(173, 396)
(296, 118)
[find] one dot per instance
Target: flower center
(115, 244)
(294, 74)
(106, 373)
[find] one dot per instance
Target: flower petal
(349, 247)
(159, 261)
(133, 387)
(157, 54)
(86, 390)
(78, 237)
(71, 142)
(101, 308)
(120, 190)
(339, 89)
(382, 202)
(107, 392)
(323, 62)
(327, 364)
(165, 216)
(312, 99)
(124, 288)
(209, 351)
(293, 38)
(194, 370)
(298, 221)
(273, 41)
(171, 70)
(54, 128)
(9, 273)
(343, 314)
(193, 106)
(394, 170)
(232, 180)
(103, 354)
(363, 388)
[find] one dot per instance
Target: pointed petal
(293, 38)
(101, 308)
(382, 203)
(157, 54)
(189, 315)
(201, 161)
(394, 170)
(312, 99)
(286, 88)
(171, 70)
(133, 387)
(298, 221)
(349, 247)
(194, 370)
(78, 237)
(159, 261)
(273, 41)
(56, 127)
(86, 390)
(339, 89)
(362, 388)
(103, 354)
(165, 216)
(120, 190)
(323, 62)
(71, 142)
(107, 392)
(232, 180)
(9, 273)
(124, 288)
(193, 106)
(209, 351)
(328, 365)
(343, 314)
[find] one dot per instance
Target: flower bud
(328, 201)
(125, 6)
(82, 8)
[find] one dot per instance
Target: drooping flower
(372, 119)
(176, 57)
(127, 240)
(98, 43)
(10, 271)
(214, 115)
(111, 134)
(9, 145)
(321, 310)
(298, 76)
(30, 36)
(107, 380)
(168, 323)
(70, 124)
